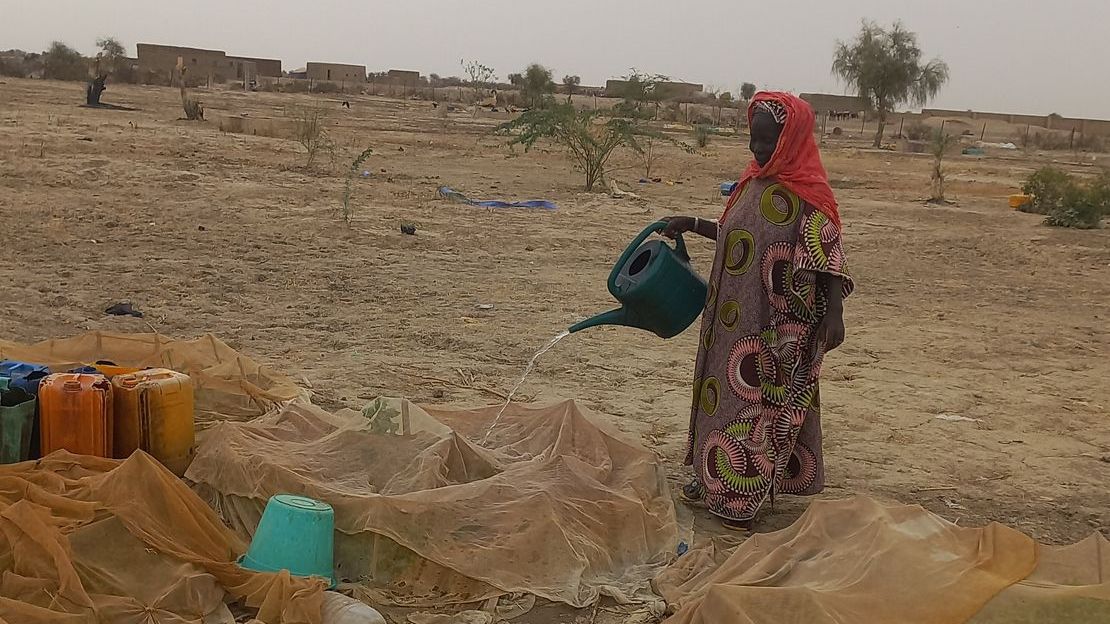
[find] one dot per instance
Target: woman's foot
(736, 525)
(693, 492)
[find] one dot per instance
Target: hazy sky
(1025, 56)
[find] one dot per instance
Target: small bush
(917, 131)
(1077, 209)
(310, 130)
(1066, 202)
(702, 133)
(1048, 186)
(345, 210)
(1099, 191)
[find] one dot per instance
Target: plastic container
(17, 419)
(154, 412)
(111, 369)
(75, 414)
(24, 375)
(295, 534)
(727, 188)
(340, 609)
(1017, 201)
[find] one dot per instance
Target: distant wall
(671, 90)
(336, 72)
(265, 67)
(200, 63)
(403, 77)
(162, 60)
(1051, 122)
(828, 103)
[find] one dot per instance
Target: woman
(773, 310)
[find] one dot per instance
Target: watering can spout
(612, 317)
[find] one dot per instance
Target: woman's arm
(697, 225)
(831, 329)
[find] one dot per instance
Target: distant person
(774, 309)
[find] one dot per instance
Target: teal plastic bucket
(295, 534)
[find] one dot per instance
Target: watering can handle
(658, 226)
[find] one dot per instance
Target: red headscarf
(796, 163)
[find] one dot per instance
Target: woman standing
(773, 310)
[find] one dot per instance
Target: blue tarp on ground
(447, 192)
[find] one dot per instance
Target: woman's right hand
(678, 225)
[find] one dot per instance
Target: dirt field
(969, 310)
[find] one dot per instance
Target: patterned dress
(755, 423)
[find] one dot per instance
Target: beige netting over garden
(858, 560)
(230, 386)
(87, 541)
(429, 511)
(435, 506)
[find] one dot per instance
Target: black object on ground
(408, 228)
(123, 309)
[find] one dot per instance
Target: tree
(642, 89)
(112, 60)
(940, 145)
(724, 100)
(589, 141)
(516, 79)
(747, 91)
(570, 83)
(61, 62)
(884, 68)
(537, 84)
(345, 210)
(480, 77)
(111, 50)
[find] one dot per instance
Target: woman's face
(765, 136)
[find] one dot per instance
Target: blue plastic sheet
(447, 192)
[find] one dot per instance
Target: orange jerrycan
(75, 413)
(154, 412)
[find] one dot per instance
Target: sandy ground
(968, 310)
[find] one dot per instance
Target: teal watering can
(658, 289)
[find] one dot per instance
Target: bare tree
(480, 77)
(310, 130)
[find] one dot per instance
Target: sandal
(735, 525)
(693, 492)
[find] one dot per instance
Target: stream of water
(527, 369)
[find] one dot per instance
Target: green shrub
(1066, 202)
(702, 132)
(1048, 186)
(1076, 210)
